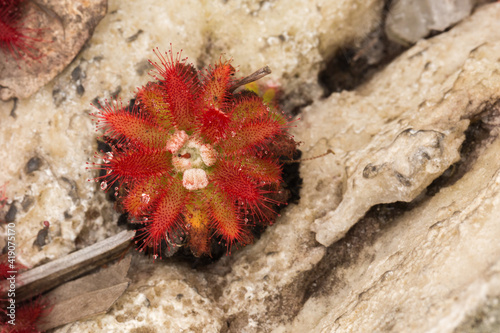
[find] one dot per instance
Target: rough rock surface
(396, 232)
(428, 264)
(413, 143)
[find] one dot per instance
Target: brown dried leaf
(82, 306)
(88, 296)
(104, 278)
(54, 273)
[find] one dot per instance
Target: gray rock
(410, 20)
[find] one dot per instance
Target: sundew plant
(193, 158)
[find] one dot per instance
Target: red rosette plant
(194, 158)
(15, 38)
(18, 317)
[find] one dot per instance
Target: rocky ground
(396, 232)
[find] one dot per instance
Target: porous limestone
(350, 256)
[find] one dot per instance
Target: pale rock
(427, 267)
(410, 20)
(377, 173)
(436, 264)
(397, 172)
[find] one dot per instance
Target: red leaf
(251, 134)
(180, 82)
(198, 224)
(214, 92)
(238, 186)
(140, 198)
(136, 165)
(152, 99)
(248, 106)
(166, 215)
(213, 125)
(259, 169)
(135, 127)
(226, 220)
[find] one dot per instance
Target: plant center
(191, 157)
